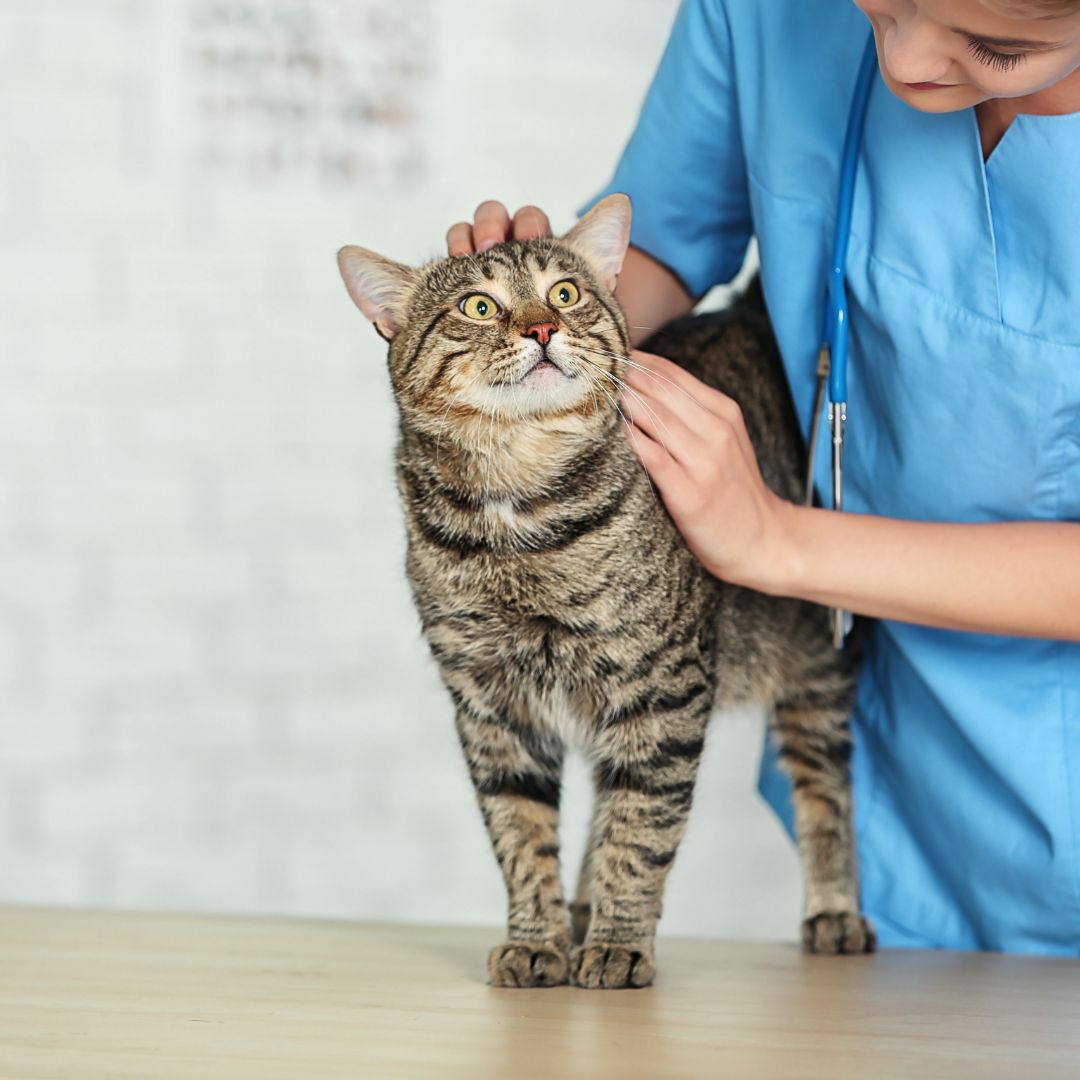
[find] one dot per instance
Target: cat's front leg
(517, 781)
(644, 788)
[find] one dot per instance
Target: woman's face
(942, 55)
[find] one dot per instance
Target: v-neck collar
(925, 200)
(983, 165)
(1032, 180)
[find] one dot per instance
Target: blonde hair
(1037, 9)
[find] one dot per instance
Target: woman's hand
(693, 442)
(1012, 577)
(492, 225)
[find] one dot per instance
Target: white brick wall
(213, 693)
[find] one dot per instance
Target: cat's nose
(542, 331)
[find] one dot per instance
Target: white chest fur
(555, 713)
(503, 510)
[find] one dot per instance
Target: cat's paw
(520, 963)
(838, 932)
(612, 967)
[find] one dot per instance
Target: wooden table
(92, 994)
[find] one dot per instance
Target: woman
(962, 466)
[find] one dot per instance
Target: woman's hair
(1040, 9)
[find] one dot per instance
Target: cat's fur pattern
(561, 603)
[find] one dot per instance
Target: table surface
(88, 994)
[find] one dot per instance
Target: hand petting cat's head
(521, 332)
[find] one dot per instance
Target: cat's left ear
(602, 236)
(379, 287)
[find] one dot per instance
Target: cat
(562, 605)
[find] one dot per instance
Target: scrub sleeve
(683, 166)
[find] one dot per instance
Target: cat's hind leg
(812, 732)
(517, 782)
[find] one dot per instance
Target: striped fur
(563, 607)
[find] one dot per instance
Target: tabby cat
(562, 605)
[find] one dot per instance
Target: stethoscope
(832, 357)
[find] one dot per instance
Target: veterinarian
(961, 523)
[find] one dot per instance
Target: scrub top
(963, 406)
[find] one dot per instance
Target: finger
(667, 371)
(664, 425)
(661, 396)
(661, 371)
(491, 224)
(646, 370)
(459, 239)
(700, 440)
(531, 222)
(659, 464)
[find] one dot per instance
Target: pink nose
(542, 331)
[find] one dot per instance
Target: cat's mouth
(540, 381)
(541, 371)
(543, 366)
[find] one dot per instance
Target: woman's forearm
(1013, 578)
(649, 294)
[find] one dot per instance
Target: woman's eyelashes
(999, 61)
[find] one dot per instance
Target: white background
(213, 691)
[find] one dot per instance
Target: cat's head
(521, 333)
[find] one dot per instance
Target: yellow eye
(480, 307)
(563, 294)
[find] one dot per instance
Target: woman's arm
(1015, 578)
(1019, 578)
(649, 294)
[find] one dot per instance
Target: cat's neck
(493, 461)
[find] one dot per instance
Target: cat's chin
(543, 390)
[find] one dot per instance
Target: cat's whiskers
(625, 357)
(443, 425)
(642, 368)
(490, 435)
(592, 398)
(635, 326)
(627, 389)
(487, 453)
(624, 386)
(630, 428)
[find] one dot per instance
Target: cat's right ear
(379, 287)
(602, 235)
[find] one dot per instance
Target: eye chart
(325, 90)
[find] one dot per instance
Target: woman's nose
(914, 52)
(542, 331)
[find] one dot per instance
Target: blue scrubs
(964, 405)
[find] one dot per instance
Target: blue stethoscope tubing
(833, 354)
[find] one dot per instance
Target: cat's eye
(479, 306)
(563, 294)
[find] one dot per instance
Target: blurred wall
(213, 691)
